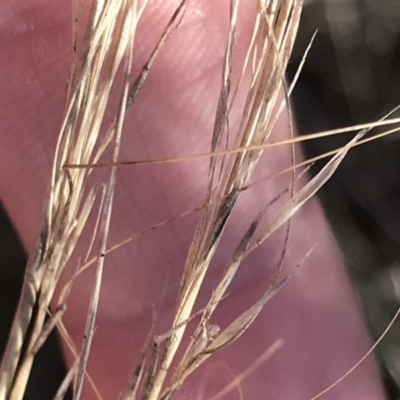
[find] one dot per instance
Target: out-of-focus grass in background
(352, 75)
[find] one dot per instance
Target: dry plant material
(102, 49)
(107, 42)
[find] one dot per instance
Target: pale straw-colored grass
(104, 44)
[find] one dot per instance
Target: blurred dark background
(351, 75)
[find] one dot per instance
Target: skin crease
(315, 314)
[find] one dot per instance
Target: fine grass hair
(104, 47)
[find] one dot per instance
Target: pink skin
(315, 314)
